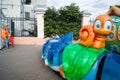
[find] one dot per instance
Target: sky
(92, 6)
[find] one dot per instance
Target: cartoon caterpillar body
(94, 36)
(76, 61)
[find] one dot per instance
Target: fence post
(40, 24)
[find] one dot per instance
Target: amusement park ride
(95, 57)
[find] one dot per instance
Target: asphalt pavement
(25, 63)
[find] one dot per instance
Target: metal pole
(22, 16)
(0, 23)
(23, 13)
(0, 14)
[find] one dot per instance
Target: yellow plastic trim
(119, 33)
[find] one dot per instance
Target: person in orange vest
(5, 35)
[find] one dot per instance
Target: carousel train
(88, 59)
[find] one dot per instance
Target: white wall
(30, 9)
(39, 2)
(11, 8)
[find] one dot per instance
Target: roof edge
(114, 10)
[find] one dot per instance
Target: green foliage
(70, 13)
(66, 19)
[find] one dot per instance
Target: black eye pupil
(111, 35)
(98, 26)
(108, 27)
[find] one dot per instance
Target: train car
(113, 40)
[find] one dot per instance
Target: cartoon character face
(103, 25)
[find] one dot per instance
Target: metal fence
(19, 17)
(19, 27)
(2, 21)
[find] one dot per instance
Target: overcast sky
(93, 6)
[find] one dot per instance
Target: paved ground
(24, 63)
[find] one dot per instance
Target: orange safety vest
(5, 34)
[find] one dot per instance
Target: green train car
(113, 40)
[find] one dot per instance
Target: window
(27, 1)
(27, 15)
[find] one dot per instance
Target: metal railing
(19, 27)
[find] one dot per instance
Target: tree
(66, 19)
(70, 13)
(51, 14)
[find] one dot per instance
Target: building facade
(21, 17)
(86, 18)
(22, 13)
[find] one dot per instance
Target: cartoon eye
(107, 25)
(97, 24)
(111, 36)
